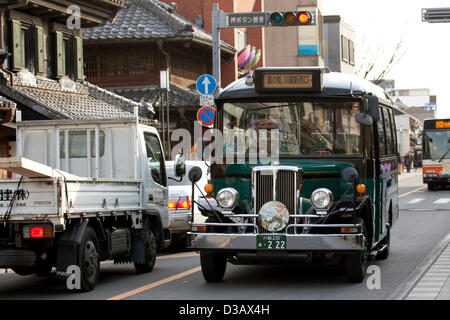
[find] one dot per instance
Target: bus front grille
(279, 183)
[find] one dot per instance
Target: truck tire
(150, 254)
(356, 263)
(213, 266)
(431, 187)
(89, 260)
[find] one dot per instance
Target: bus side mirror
(363, 118)
(372, 108)
(350, 174)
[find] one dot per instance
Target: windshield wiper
(443, 156)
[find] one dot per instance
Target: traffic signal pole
(222, 20)
(216, 45)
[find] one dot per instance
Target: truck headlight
(227, 198)
(322, 199)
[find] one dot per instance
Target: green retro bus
(327, 193)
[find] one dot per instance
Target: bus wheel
(213, 266)
(89, 260)
(356, 263)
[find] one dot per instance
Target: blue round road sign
(205, 115)
(206, 84)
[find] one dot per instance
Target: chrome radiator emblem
(274, 216)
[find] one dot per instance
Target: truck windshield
(319, 128)
(436, 144)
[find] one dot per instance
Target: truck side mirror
(179, 166)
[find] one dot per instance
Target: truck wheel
(383, 255)
(213, 266)
(89, 260)
(150, 254)
(431, 187)
(356, 263)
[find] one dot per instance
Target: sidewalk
(412, 173)
(435, 283)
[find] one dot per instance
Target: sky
(425, 46)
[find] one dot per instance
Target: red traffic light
(292, 18)
(304, 17)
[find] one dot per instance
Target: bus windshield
(436, 144)
(312, 128)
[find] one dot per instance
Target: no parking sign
(205, 115)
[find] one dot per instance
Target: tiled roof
(81, 101)
(178, 96)
(149, 19)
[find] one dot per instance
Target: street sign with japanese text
(246, 19)
(206, 100)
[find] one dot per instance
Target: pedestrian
(407, 161)
(416, 161)
(399, 163)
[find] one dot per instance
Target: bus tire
(213, 266)
(150, 255)
(356, 263)
(89, 260)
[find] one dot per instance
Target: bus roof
(335, 84)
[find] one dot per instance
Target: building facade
(200, 12)
(294, 46)
(146, 37)
(41, 65)
(338, 45)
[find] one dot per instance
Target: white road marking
(417, 200)
(443, 200)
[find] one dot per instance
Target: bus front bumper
(294, 242)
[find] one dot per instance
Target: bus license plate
(271, 242)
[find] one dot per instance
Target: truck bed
(49, 194)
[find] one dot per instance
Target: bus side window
(394, 131)
(381, 135)
(389, 136)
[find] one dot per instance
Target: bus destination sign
(271, 80)
(287, 80)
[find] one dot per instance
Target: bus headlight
(322, 199)
(227, 198)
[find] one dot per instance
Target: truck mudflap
(294, 242)
(17, 258)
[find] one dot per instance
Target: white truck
(83, 192)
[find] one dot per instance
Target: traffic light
(292, 18)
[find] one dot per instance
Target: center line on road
(405, 194)
(155, 284)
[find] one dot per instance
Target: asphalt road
(424, 221)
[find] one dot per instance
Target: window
(241, 40)
(351, 52)
(77, 141)
(319, 128)
(389, 135)
(381, 136)
(344, 48)
(394, 131)
(155, 159)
